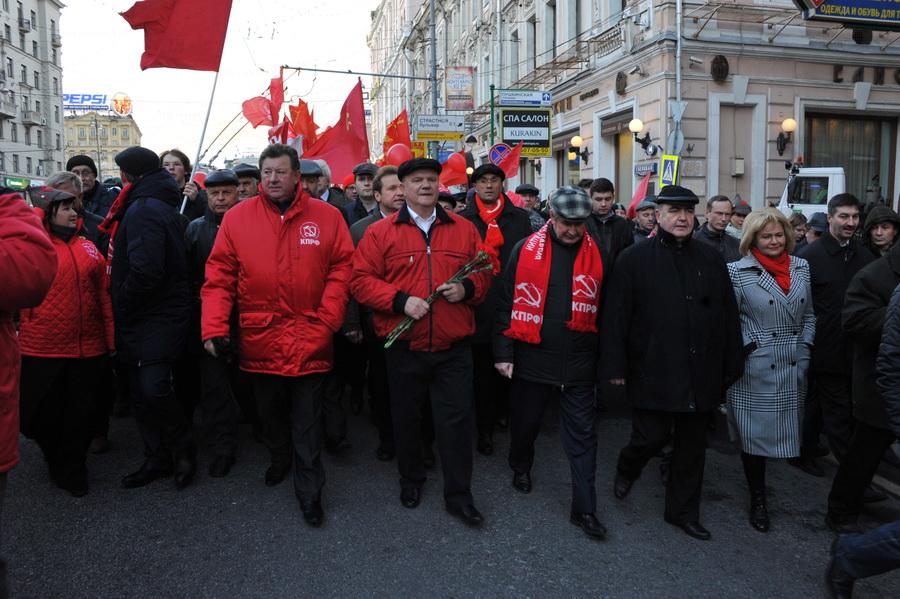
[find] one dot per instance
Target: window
(530, 51)
(37, 105)
(34, 50)
(22, 42)
(55, 85)
(58, 142)
(52, 26)
(26, 104)
(115, 131)
(7, 33)
(40, 139)
(13, 132)
(70, 132)
(81, 132)
(56, 114)
(2, 161)
(23, 74)
(33, 20)
(10, 69)
(6, 5)
(15, 163)
(550, 31)
(27, 136)
(1, 131)
(124, 133)
(36, 77)
(514, 57)
(59, 165)
(28, 165)
(53, 55)
(93, 133)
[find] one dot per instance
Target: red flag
(397, 132)
(265, 111)
(639, 194)
(346, 144)
(172, 37)
(303, 123)
(454, 170)
(510, 163)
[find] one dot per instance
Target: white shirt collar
(325, 193)
(423, 223)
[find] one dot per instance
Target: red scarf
(493, 239)
(532, 278)
(110, 224)
(779, 268)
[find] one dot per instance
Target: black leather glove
(222, 345)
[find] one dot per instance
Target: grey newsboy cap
(570, 203)
(309, 168)
(365, 168)
(648, 202)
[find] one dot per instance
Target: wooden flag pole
(212, 93)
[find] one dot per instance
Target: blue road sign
(498, 153)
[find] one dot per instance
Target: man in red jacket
(400, 261)
(27, 269)
(284, 260)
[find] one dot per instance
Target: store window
(863, 146)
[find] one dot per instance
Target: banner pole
(212, 93)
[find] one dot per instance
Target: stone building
(101, 135)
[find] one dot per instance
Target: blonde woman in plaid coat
(774, 299)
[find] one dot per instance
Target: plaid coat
(765, 405)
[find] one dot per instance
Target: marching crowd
(268, 292)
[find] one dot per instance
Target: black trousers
(491, 389)
(855, 472)
(290, 418)
(217, 404)
(105, 397)
(651, 430)
(186, 379)
(58, 408)
(812, 421)
(161, 419)
(349, 369)
(577, 431)
(443, 379)
(834, 394)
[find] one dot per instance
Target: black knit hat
(82, 160)
(137, 161)
(488, 169)
(418, 164)
(221, 177)
(676, 194)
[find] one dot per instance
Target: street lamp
(788, 126)
(636, 126)
(576, 142)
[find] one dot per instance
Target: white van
(808, 189)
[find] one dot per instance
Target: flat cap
(648, 202)
(676, 194)
(418, 164)
(571, 203)
(818, 222)
(221, 177)
(365, 168)
(487, 169)
(246, 170)
(309, 168)
(528, 189)
(743, 209)
(137, 161)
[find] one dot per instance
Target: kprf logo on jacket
(309, 233)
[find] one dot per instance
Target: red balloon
(456, 162)
(397, 154)
(379, 163)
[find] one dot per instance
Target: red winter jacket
(393, 262)
(75, 319)
(27, 268)
(288, 275)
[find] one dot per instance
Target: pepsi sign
(85, 101)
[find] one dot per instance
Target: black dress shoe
(336, 446)
(873, 495)
(275, 474)
(145, 476)
(185, 468)
(621, 486)
(313, 513)
(838, 584)
(485, 445)
(467, 513)
(759, 512)
(843, 526)
(808, 465)
(76, 486)
(428, 458)
(221, 466)
(589, 524)
(692, 529)
(410, 496)
(385, 452)
(522, 482)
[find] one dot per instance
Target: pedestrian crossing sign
(668, 170)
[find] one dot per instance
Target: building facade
(31, 129)
(711, 82)
(101, 135)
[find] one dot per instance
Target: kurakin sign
(531, 126)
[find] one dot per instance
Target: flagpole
(212, 93)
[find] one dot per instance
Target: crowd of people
(267, 293)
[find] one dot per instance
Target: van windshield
(809, 190)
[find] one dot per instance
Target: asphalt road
(234, 537)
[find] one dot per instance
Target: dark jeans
(104, 399)
(290, 418)
(443, 379)
(578, 432)
(833, 392)
(4, 585)
(856, 470)
(650, 432)
(58, 410)
(217, 405)
(491, 389)
(160, 418)
(812, 420)
(871, 553)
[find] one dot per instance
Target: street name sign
(440, 127)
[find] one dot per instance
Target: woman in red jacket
(64, 342)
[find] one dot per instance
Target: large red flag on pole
(397, 132)
(172, 36)
(347, 143)
(639, 194)
(510, 163)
